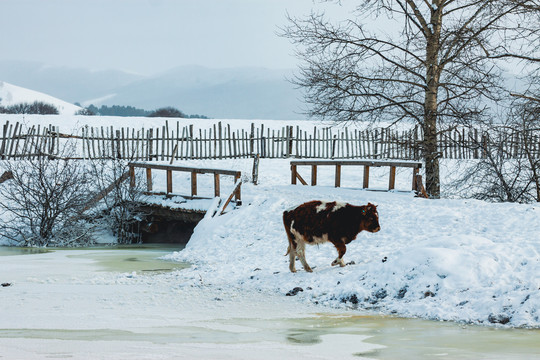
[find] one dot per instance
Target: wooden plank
(10, 141)
(183, 168)
(229, 140)
(237, 192)
(27, 139)
(366, 177)
(252, 140)
(304, 182)
(255, 170)
(156, 150)
(220, 130)
(4, 139)
(234, 154)
(100, 195)
(313, 175)
(175, 138)
(17, 135)
(193, 183)
(149, 179)
(123, 141)
(166, 138)
(131, 176)
(118, 146)
(191, 143)
(236, 189)
(182, 143)
(216, 185)
(392, 180)
(373, 163)
(293, 174)
(175, 150)
(169, 182)
(338, 176)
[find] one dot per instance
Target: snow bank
(459, 260)
(12, 95)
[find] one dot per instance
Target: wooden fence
(221, 142)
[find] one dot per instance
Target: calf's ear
(371, 207)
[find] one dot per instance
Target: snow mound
(12, 95)
(459, 260)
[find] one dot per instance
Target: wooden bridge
(169, 169)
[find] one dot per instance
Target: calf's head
(369, 218)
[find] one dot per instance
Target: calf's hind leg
(301, 252)
(291, 250)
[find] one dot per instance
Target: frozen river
(126, 303)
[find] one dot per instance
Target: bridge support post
(132, 176)
(169, 181)
(193, 183)
(366, 177)
(216, 185)
(392, 180)
(338, 175)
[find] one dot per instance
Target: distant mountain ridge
(243, 93)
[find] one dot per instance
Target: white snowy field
(461, 260)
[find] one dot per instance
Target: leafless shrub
(510, 167)
(42, 204)
(118, 206)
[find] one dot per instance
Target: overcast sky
(150, 36)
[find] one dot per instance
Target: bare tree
(509, 169)
(42, 203)
(439, 67)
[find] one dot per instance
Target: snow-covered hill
(460, 260)
(12, 94)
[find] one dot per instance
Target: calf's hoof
(338, 262)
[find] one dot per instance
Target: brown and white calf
(317, 222)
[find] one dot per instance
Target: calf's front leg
(341, 249)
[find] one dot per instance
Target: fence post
(251, 139)
(4, 138)
(118, 148)
(255, 171)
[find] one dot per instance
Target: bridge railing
(367, 164)
(194, 172)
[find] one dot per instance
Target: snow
(12, 94)
(460, 260)
(450, 259)
(61, 306)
